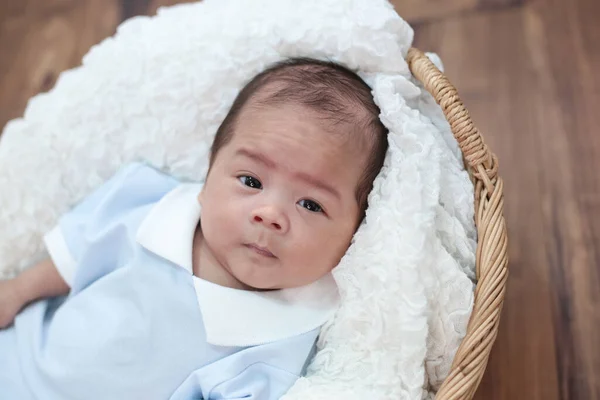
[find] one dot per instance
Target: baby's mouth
(263, 251)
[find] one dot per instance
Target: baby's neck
(207, 267)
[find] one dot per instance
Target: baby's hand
(11, 302)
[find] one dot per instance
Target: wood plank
(147, 7)
(423, 10)
(571, 36)
(419, 11)
(526, 77)
(38, 44)
(156, 4)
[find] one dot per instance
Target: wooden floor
(529, 74)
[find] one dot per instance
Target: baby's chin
(258, 285)
(257, 276)
(264, 285)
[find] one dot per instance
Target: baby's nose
(271, 218)
(276, 225)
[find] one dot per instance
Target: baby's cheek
(209, 222)
(228, 222)
(316, 250)
(336, 245)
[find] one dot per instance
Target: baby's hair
(334, 92)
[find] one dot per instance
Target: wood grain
(39, 39)
(528, 75)
(417, 11)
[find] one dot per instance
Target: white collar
(233, 317)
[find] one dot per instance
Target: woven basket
(492, 258)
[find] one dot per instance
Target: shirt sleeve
(264, 372)
(132, 187)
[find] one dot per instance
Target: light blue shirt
(138, 324)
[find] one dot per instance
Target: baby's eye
(250, 181)
(311, 206)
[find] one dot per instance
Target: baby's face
(279, 207)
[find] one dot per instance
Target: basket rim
(471, 359)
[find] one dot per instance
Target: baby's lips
(261, 250)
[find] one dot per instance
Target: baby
(203, 291)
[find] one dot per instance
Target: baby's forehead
(338, 114)
(324, 98)
(333, 132)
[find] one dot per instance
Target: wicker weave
(492, 259)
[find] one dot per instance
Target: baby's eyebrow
(256, 157)
(311, 180)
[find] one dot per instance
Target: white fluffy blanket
(158, 90)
